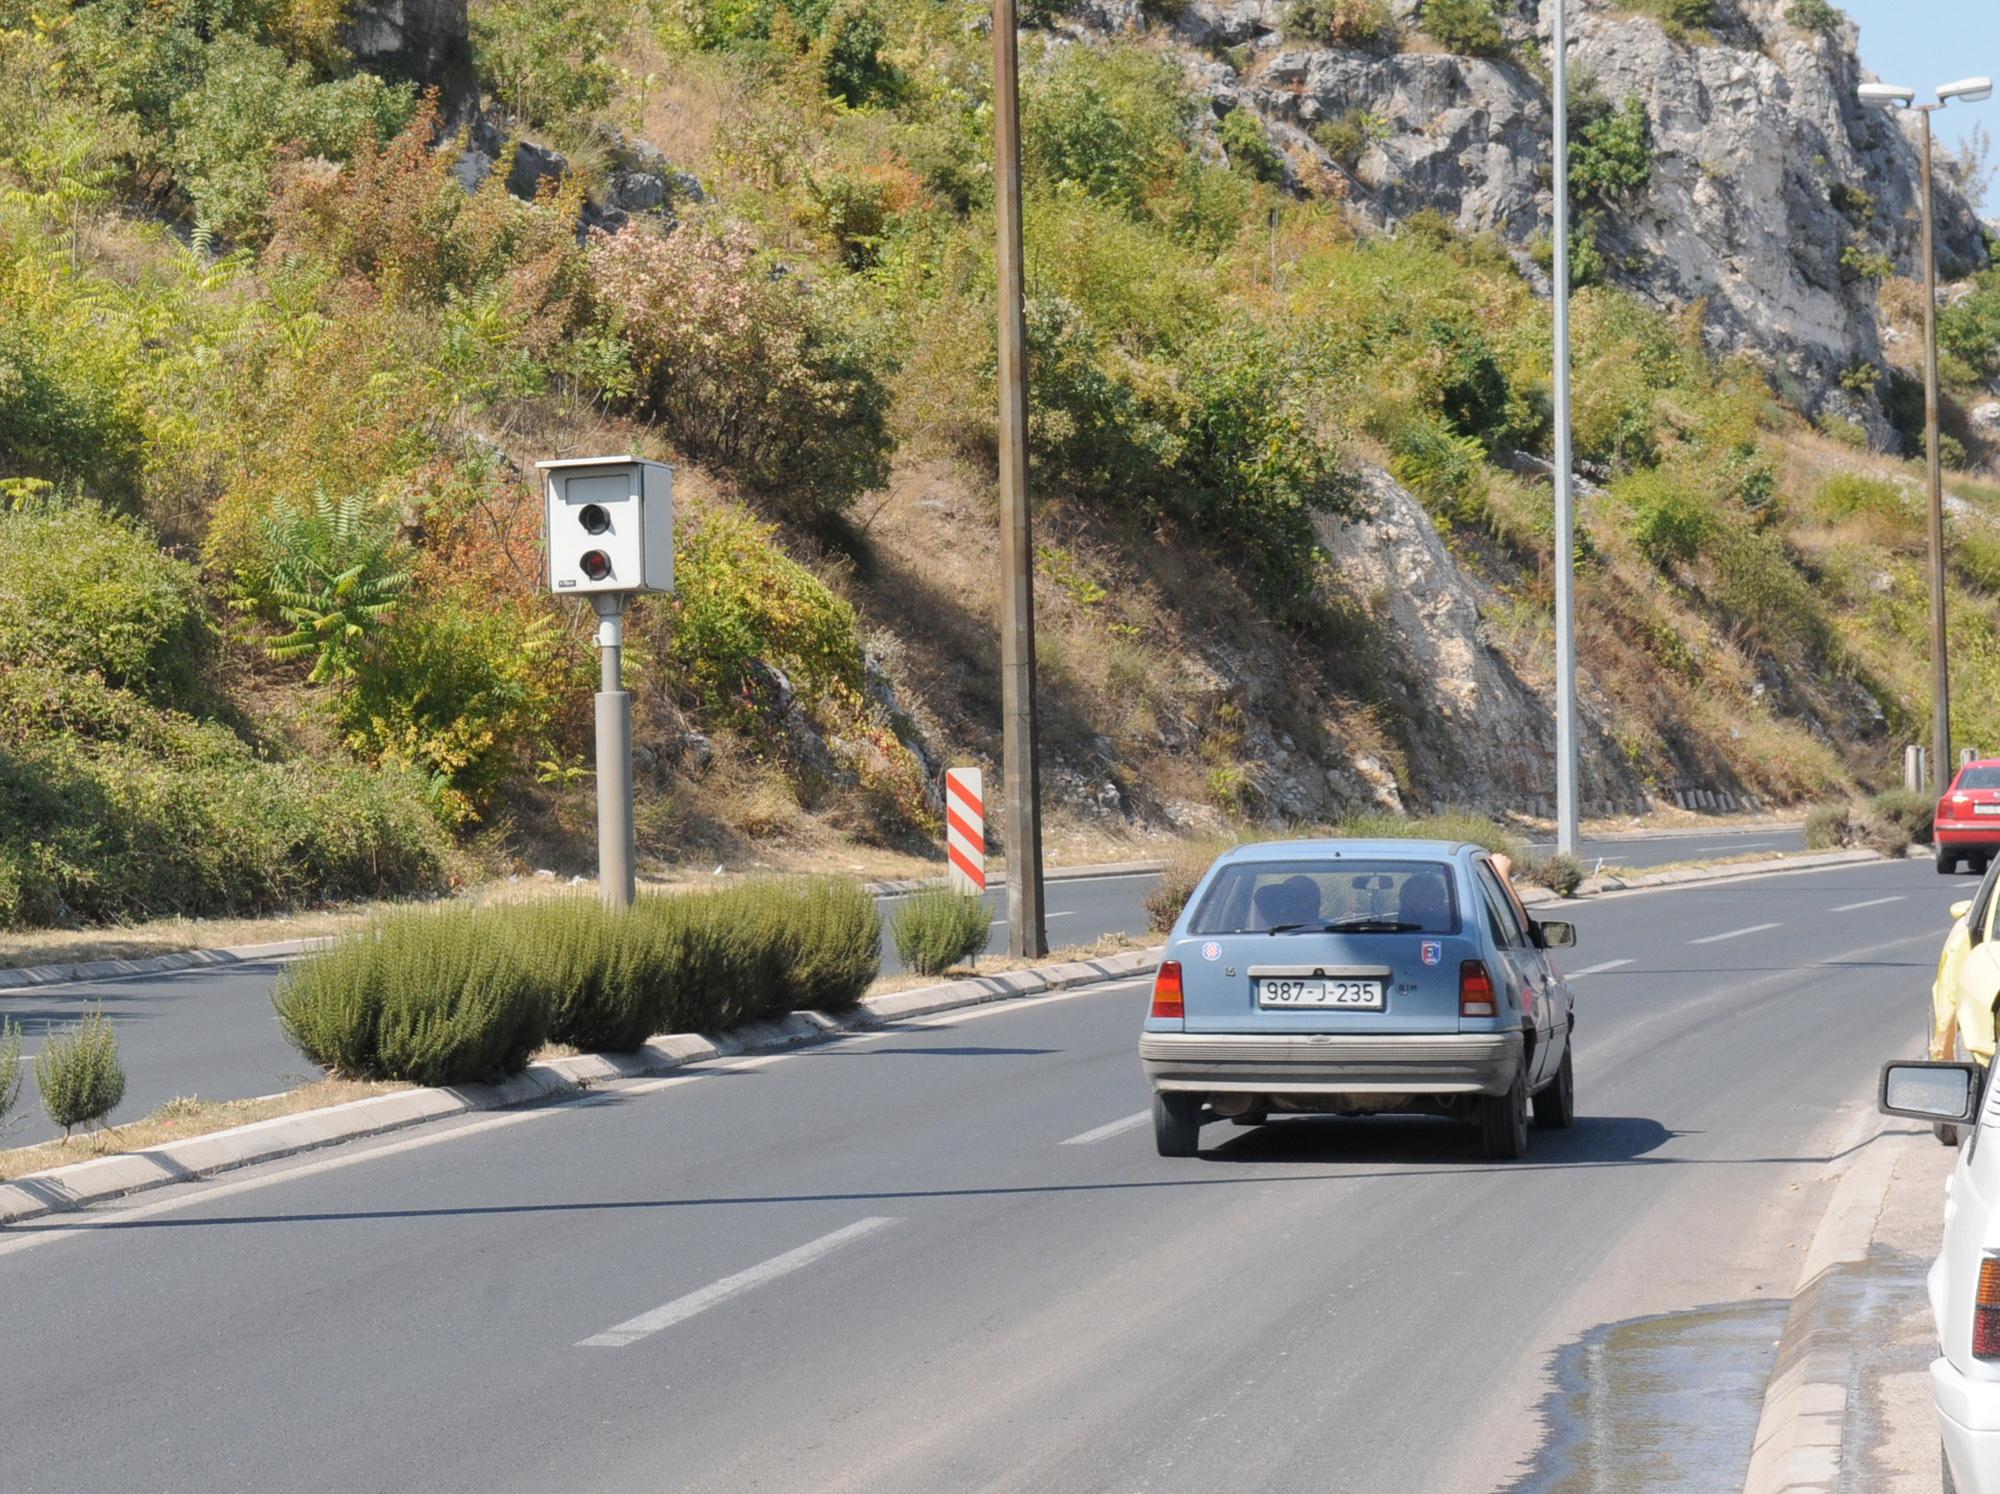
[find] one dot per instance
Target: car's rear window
(1971, 778)
(1249, 897)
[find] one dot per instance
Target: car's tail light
(1475, 990)
(1167, 998)
(1986, 1311)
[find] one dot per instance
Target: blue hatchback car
(1359, 977)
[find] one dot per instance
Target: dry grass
(181, 1118)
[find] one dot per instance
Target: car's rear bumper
(1456, 1063)
(1977, 836)
(1968, 1413)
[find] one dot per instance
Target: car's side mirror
(1556, 934)
(1930, 1091)
(1961, 908)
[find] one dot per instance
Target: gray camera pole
(617, 842)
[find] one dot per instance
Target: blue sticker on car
(1430, 951)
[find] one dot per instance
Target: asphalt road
(212, 1032)
(1639, 851)
(946, 1256)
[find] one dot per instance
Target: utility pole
(1566, 805)
(1026, 926)
(1940, 670)
(617, 839)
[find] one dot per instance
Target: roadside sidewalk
(1848, 1405)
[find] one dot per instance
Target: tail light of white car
(1168, 1000)
(1475, 990)
(1986, 1311)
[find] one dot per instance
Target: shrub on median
(79, 1074)
(454, 994)
(938, 928)
(1827, 827)
(10, 1065)
(1911, 809)
(1560, 873)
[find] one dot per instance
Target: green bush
(1340, 23)
(1912, 810)
(432, 996)
(1827, 827)
(1347, 137)
(331, 571)
(836, 934)
(938, 928)
(78, 1073)
(544, 59)
(1114, 122)
(1680, 18)
(1447, 471)
(1470, 27)
(1249, 147)
(1845, 495)
(1612, 159)
(1814, 15)
(10, 1066)
(1886, 834)
(88, 592)
(1671, 520)
(1560, 873)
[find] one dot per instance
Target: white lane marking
(1734, 845)
(1873, 902)
(1110, 1128)
(682, 1308)
(1755, 928)
(49, 1228)
(1599, 969)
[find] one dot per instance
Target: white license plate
(1364, 995)
(1986, 809)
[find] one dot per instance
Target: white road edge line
(682, 1308)
(1598, 969)
(1110, 1128)
(1873, 902)
(1755, 928)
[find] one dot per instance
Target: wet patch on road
(1660, 1403)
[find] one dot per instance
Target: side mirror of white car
(1931, 1091)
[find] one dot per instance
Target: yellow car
(1968, 978)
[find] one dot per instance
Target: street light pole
(1941, 769)
(1565, 557)
(1026, 937)
(1891, 96)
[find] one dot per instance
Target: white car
(1965, 1279)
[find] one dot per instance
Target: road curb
(1735, 871)
(1799, 1432)
(81, 1184)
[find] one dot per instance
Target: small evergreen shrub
(1826, 827)
(78, 1073)
(1347, 136)
(938, 928)
(1562, 874)
(1912, 811)
(1249, 147)
(1671, 520)
(1340, 23)
(1612, 158)
(1468, 27)
(1815, 16)
(10, 1066)
(429, 996)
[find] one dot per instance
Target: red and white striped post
(965, 829)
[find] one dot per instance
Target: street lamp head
(1970, 90)
(1887, 95)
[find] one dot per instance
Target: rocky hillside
(298, 293)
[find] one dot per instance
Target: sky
(1922, 43)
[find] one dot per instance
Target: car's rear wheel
(1177, 1124)
(1503, 1120)
(1555, 1106)
(1947, 861)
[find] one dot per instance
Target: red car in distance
(1967, 824)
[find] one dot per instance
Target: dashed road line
(1599, 969)
(1873, 902)
(1110, 1128)
(1755, 928)
(682, 1308)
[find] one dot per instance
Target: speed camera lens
(596, 564)
(594, 519)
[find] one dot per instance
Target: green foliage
(1856, 204)
(10, 1066)
(1469, 27)
(1815, 16)
(1912, 811)
(1113, 122)
(1969, 328)
(1847, 432)
(332, 571)
(78, 1073)
(1671, 522)
(546, 60)
(738, 600)
(855, 70)
(432, 996)
(1845, 495)
(1611, 160)
(1862, 264)
(250, 102)
(938, 928)
(1447, 471)
(1340, 23)
(1680, 19)
(1456, 825)
(1826, 827)
(1562, 874)
(1249, 147)
(85, 591)
(1346, 137)
(746, 367)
